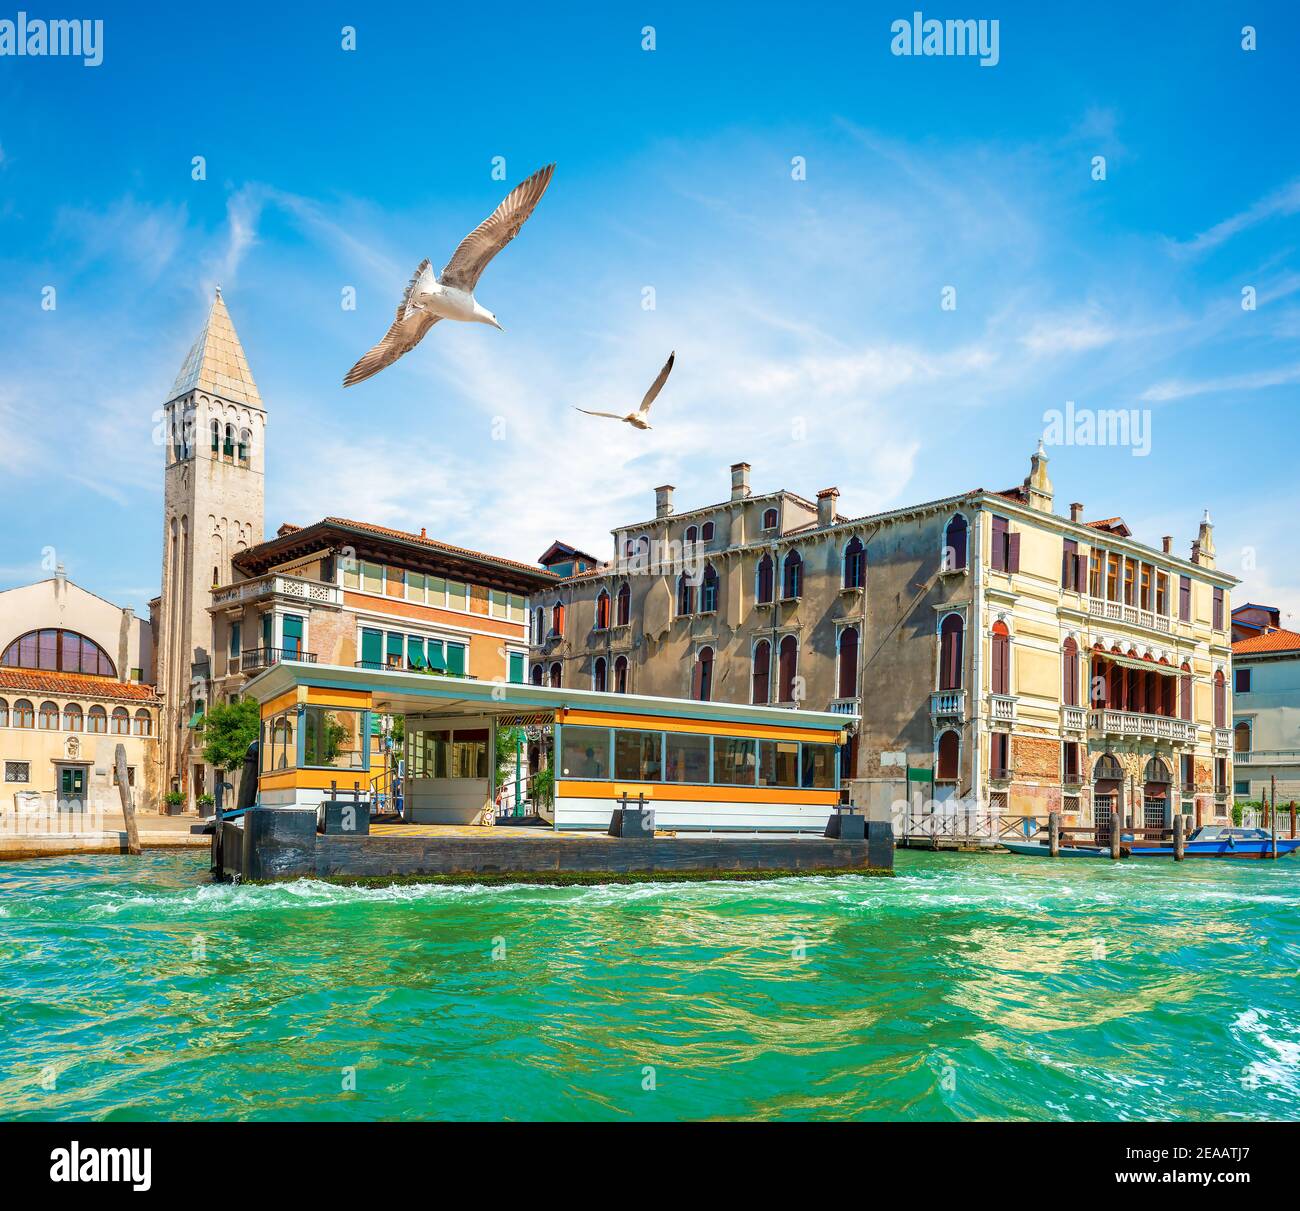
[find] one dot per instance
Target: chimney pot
(739, 481)
(1167, 544)
(1076, 511)
(663, 500)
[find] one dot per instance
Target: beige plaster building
(994, 649)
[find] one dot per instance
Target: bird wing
(658, 384)
(495, 232)
(405, 332)
(589, 412)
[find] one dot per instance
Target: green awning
(196, 718)
(920, 775)
(436, 660)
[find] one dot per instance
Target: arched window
(1156, 771)
(539, 624)
(763, 580)
(602, 610)
(1070, 673)
(848, 663)
(72, 718)
(709, 590)
(792, 576)
(49, 716)
(948, 757)
(1185, 692)
(620, 675)
(598, 675)
(557, 618)
(1241, 737)
(623, 613)
(216, 437)
(685, 596)
(1108, 769)
(537, 674)
(556, 675)
(769, 519)
(4, 712)
(228, 448)
(1220, 700)
(950, 639)
(706, 532)
(692, 535)
(954, 545)
(96, 719)
(762, 672)
(57, 650)
(787, 668)
(702, 676)
(142, 725)
(855, 564)
(121, 722)
(24, 716)
(245, 441)
(1000, 673)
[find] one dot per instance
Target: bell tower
(213, 494)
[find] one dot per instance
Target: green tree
(227, 731)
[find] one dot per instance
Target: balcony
(844, 706)
(948, 705)
(256, 659)
(1117, 611)
(293, 588)
(1002, 708)
(1074, 718)
(1147, 727)
(1222, 737)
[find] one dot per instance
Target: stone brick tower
(213, 497)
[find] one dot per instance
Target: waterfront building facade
(1266, 712)
(993, 649)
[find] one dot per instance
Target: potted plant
(174, 802)
(207, 804)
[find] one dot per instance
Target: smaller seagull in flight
(450, 295)
(638, 419)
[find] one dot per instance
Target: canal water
(968, 987)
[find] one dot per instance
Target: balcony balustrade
(948, 704)
(1152, 727)
(1074, 718)
(1002, 708)
(275, 584)
(1117, 611)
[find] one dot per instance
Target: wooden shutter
(1184, 599)
(697, 675)
(1013, 552)
(999, 544)
(849, 663)
(1069, 564)
(1001, 662)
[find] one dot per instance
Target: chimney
(1076, 511)
(663, 500)
(826, 499)
(1167, 544)
(1038, 484)
(1203, 547)
(739, 481)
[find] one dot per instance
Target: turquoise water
(968, 987)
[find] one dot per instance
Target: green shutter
(396, 646)
(415, 651)
(268, 631)
(292, 628)
(436, 661)
(455, 660)
(372, 647)
(516, 668)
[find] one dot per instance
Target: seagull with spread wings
(638, 419)
(450, 295)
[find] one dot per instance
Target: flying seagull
(637, 419)
(450, 296)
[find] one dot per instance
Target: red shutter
(1185, 697)
(1013, 552)
(696, 676)
(999, 544)
(1185, 599)
(1001, 663)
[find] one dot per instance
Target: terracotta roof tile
(1270, 641)
(424, 540)
(75, 685)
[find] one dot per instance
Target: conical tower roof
(216, 362)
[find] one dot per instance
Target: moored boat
(1220, 841)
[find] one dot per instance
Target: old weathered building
(994, 649)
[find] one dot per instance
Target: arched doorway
(1155, 794)
(1107, 795)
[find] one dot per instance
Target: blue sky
(806, 314)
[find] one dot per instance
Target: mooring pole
(128, 808)
(1180, 836)
(1054, 834)
(1115, 819)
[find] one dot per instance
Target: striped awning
(528, 719)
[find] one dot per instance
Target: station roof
(399, 692)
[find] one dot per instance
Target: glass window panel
(437, 590)
(819, 766)
(734, 761)
(332, 738)
(457, 595)
(372, 578)
(351, 574)
(585, 752)
(415, 586)
(469, 753)
(637, 756)
(48, 653)
(686, 758)
(778, 763)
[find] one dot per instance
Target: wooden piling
(1115, 831)
(1180, 836)
(1054, 834)
(128, 808)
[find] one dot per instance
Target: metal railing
(264, 658)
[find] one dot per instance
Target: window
(1185, 693)
(763, 581)
(557, 618)
(848, 656)
(999, 755)
(769, 519)
(1144, 587)
(291, 628)
(1071, 566)
(556, 675)
(130, 776)
(950, 642)
(778, 763)
(598, 675)
(1220, 700)
(18, 771)
(142, 724)
(762, 672)
(332, 738)
(515, 667)
(1218, 609)
(686, 758)
(620, 675)
(692, 536)
(49, 717)
(1130, 580)
(1162, 594)
(1188, 772)
(1241, 737)
(638, 756)
(734, 761)
(1006, 547)
(706, 532)
(792, 576)
(469, 753)
(1220, 775)
(537, 674)
(539, 625)
(24, 716)
(787, 667)
(685, 596)
(584, 752)
(1001, 670)
(709, 590)
(427, 754)
(855, 564)
(60, 651)
(1070, 673)
(947, 757)
(702, 675)
(623, 612)
(817, 766)
(97, 720)
(1241, 786)
(279, 741)
(4, 713)
(602, 611)
(235, 640)
(1184, 599)
(954, 545)
(1241, 681)
(245, 441)
(228, 446)
(1070, 774)
(72, 718)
